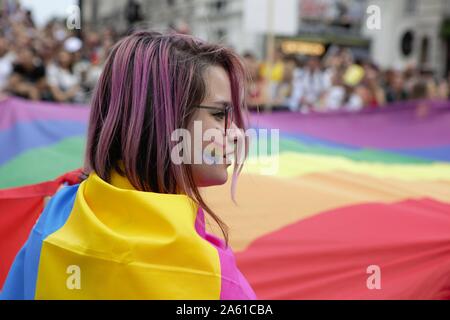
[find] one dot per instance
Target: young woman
(135, 227)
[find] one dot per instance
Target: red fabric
(326, 256)
(19, 209)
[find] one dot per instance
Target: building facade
(412, 31)
(212, 20)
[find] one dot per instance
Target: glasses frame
(227, 109)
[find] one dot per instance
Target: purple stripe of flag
(15, 110)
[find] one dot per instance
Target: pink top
(234, 286)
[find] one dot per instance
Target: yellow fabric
(353, 75)
(129, 245)
(290, 164)
(266, 204)
(277, 71)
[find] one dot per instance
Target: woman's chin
(216, 178)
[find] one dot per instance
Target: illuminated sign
(302, 47)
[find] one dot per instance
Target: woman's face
(219, 96)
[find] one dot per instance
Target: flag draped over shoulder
(153, 246)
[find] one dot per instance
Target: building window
(217, 6)
(407, 43)
(424, 50)
(220, 5)
(411, 6)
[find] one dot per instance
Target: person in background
(395, 86)
(420, 94)
(273, 77)
(64, 83)
(133, 13)
(375, 96)
(6, 63)
(443, 89)
(354, 98)
(309, 85)
(46, 50)
(448, 84)
(432, 87)
(28, 77)
(335, 96)
(256, 89)
(410, 75)
(357, 94)
(284, 89)
(96, 64)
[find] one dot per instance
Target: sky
(44, 10)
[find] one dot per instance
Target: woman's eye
(219, 115)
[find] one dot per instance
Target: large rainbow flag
(358, 207)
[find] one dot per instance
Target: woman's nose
(234, 134)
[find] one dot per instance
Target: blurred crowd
(50, 63)
(53, 63)
(339, 80)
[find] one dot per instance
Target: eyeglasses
(228, 114)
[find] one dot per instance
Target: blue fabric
(433, 153)
(24, 136)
